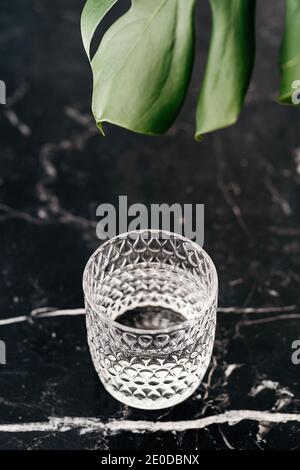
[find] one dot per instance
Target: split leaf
(229, 66)
(92, 14)
(290, 55)
(142, 67)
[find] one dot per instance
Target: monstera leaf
(229, 66)
(290, 54)
(142, 67)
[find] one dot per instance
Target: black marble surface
(55, 169)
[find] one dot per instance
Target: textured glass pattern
(160, 277)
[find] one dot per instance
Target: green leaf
(92, 13)
(142, 67)
(290, 53)
(229, 66)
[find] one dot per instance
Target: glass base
(147, 404)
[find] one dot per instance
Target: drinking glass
(151, 301)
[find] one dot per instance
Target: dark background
(55, 169)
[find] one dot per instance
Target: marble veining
(55, 169)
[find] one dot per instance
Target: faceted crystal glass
(151, 301)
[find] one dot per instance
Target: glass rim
(142, 331)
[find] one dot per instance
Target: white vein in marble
(86, 425)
